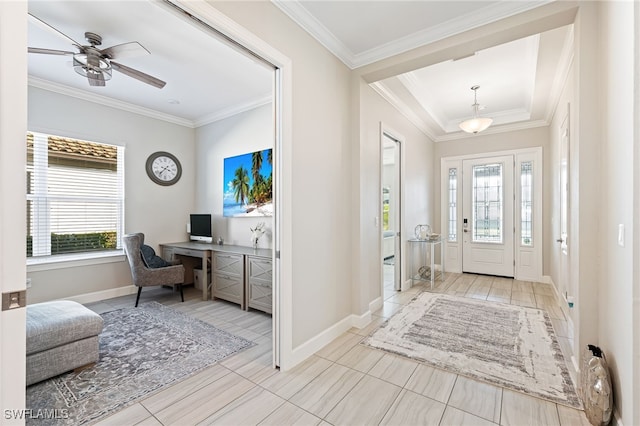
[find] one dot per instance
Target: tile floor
(344, 383)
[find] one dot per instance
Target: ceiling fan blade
(125, 50)
(138, 75)
(49, 51)
(49, 28)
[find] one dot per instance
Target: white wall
(161, 212)
(241, 134)
(618, 78)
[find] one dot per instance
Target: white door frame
(528, 258)
(399, 252)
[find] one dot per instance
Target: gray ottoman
(61, 336)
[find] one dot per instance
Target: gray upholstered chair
(144, 276)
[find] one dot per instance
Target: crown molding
(234, 110)
(301, 16)
(502, 128)
(126, 106)
(106, 101)
(562, 74)
(403, 108)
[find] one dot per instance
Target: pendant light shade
(475, 124)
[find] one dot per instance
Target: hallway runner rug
(142, 350)
(505, 345)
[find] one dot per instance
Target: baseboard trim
(319, 341)
(104, 294)
(375, 304)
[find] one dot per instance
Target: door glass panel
(453, 207)
(526, 203)
(487, 203)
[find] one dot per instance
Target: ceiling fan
(94, 63)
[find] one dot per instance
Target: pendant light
(475, 124)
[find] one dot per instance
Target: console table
(229, 264)
(415, 243)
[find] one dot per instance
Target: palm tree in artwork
(240, 185)
(256, 163)
(270, 156)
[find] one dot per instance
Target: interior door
(391, 217)
(563, 264)
(487, 221)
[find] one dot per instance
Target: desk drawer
(259, 283)
(228, 264)
(188, 252)
(229, 288)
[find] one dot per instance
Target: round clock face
(163, 168)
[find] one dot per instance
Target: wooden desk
(205, 251)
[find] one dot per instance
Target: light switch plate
(621, 235)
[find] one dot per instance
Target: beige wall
(418, 192)
(320, 169)
(158, 211)
(618, 77)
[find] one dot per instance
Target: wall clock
(163, 168)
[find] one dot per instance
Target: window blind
(75, 195)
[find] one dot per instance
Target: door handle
(465, 230)
(559, 240)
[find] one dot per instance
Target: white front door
(487, 216)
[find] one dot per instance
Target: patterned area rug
(142, 350)
(505, 345)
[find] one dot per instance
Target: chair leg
(181, 293)
(138, 298)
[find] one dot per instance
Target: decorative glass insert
(453, 206)
(526, 203)
(487, 203)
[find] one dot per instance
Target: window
(526, 203)
(487, 203)
(75, 196)
(453, 206)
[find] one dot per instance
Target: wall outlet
(621, 235)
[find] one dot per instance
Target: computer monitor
(201, 228)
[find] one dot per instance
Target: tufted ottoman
(61, 336)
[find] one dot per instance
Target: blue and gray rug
(142, 350)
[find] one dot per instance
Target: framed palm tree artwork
(248, 189)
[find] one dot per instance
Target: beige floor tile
(561, 328)
(394, 369)
(360, 358)
(324, 392)
(131, 415)
(455, 417)
(387, 310)
(549, 304)
(572, 417)
(499, 293)
(248, 410)
(287, 383)
(198, 406)
(290, 415)
(149, 421)
(181, 390)
(401, 298)
(413, 409)
(477, 398)
(432, 382)
(522, 286)
(258, 369)
(523, 296)
(502, 284)
(519, 409)
(365, 404)
(241, 359)
(543, 289)
(339, 346)
(524, 304)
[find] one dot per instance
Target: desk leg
(442, 262)
(205, 278)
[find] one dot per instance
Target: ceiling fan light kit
(475, 124)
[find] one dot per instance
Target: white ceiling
(209, 79)
(518, 80)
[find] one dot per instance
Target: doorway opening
(391, 190)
